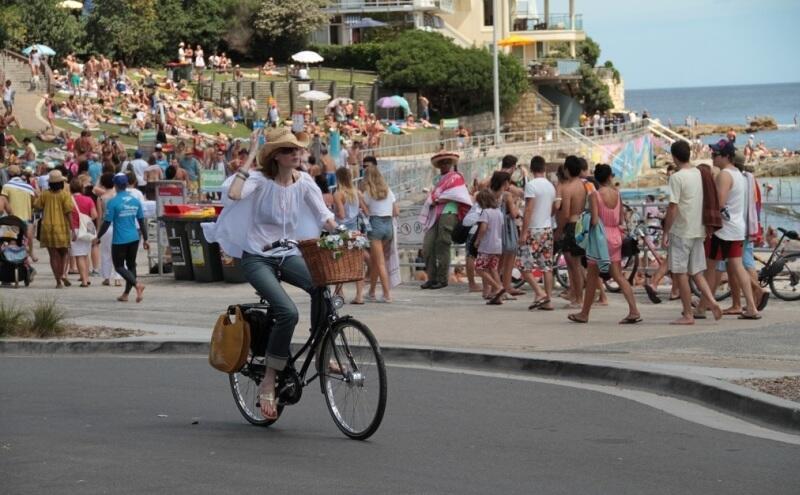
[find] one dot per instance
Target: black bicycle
(348, 363)
(782, 271)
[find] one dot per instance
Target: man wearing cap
(445, 206)
(727, 243)
(124, 211)
(20, 195)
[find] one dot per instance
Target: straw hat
(444, 155)
(55, 176)
(276, 139)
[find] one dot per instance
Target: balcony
(555, 71)
(338, 7)
(554, 22)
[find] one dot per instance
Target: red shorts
(719, 249)
(487, 262)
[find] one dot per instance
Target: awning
(516, 40)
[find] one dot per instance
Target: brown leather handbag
(230, 341)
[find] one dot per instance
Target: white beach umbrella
(315, 95)
(71, 5)
(307, 57)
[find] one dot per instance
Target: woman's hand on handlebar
(331, 225)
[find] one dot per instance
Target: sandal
(497, 299)
(538, 303)
(631, 320)
(762, 303)
(356, 301)
(574, 318)
(268, 397)
(651, 294)
(67, 283)
(745, 316)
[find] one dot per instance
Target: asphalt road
(94, 424)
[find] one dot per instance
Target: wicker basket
(348, 266)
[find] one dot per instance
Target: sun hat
(55, 176)
(121, 180)
(739, 159)
(14, 170)
(444, 155)
(276, 139)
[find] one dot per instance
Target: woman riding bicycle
(283, 204)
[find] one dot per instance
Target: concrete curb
(718, 394)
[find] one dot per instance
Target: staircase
(658, 129)
(14, 66)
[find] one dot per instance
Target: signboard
(169, 193)
(211, 181)
(409, 230)
(449, 124)
(303, 87)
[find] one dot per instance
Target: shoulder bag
(230, 341)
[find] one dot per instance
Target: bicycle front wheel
(786, 283)
(353, 378)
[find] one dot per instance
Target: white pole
(496, 71)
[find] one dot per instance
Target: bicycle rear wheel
(786, 283)
(723, 290)
(244, 386)
(353, 378)
(560, 272)
(629, 267)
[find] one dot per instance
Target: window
(488, 12)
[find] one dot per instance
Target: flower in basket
(343, 240)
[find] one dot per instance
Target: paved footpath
(452, 318)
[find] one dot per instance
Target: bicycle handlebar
(284, 243)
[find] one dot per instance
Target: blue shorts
(748, 258)
(331, 176)
(382, 229)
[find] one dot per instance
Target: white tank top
(734, 229)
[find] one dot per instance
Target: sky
(689, 43)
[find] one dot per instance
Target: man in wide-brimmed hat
(445, 207)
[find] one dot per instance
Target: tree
(132, 30)
(276, 19)
(13, 28)
(588, 51)
(593, 94)
(47, 24)
(456, 80)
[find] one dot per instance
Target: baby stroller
(14, 267)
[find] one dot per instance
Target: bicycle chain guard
(290, 389)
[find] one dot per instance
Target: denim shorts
(748, 258)
(382, 229)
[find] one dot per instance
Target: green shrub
(47, 318)
(361, 56)
(12, 320)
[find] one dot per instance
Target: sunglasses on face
(286, 151)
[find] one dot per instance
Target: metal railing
(554, 22)
(338, 6)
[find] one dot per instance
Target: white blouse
(286, 213)
(266, 213)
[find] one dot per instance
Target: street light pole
(496, 70)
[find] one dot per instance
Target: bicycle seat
(791, 234)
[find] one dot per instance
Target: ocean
(727, 105)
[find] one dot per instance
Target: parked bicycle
(348, 363)
(782, 271)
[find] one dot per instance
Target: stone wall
(615, 89)
(532, 112)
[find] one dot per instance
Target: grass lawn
(21, 134)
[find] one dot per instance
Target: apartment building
(529, 27)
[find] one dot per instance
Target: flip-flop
(671, 298)
(651, 293)
(630, 320)
(679, 322)
(545, 308)
(494, 302)
(745, 316)
(762, 303)
(498, 298)
(356, 302)
(575, 319)
(536, 304)
(699, 317)
(731, 312)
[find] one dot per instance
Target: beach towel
(596, 247)
(711, 216)
(392, 258)
(451, 188)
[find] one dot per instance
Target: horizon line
(714, 86)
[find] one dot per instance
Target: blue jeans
(265, 275)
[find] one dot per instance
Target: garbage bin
(205, 257)
(179, 247)
(231, 269)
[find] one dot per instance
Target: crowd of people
(709, 228)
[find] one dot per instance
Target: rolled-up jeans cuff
(276, 362)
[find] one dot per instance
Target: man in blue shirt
(124, 211)
(161, 160)
(192, 166)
